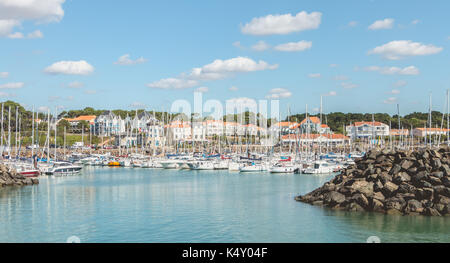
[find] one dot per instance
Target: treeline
(337, 120)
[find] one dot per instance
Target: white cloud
(394, 91)
(70, 68)
(314, 75)
(294, 46)
(334, 65)
(20, 35)
(238, 64)
(399, 49)
(4, 75)
(387, 23)
(353, 23)
(349, 85)
(400, 83)
(415, 22)
(233, 88)
(35, 34)
(282, 24)
(16, 35)
(237, 44)
(14, 12)
(218, 69)
(75, 85)
(329, 94)
(173, 83)
(278, 93)
(411, 70)
(41, 11)
(221, 68)
(390, 100)
(6, 94)
(7, 25)
(12, 85)
(126, 61)
(260, 46)
(202, 89)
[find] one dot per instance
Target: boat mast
(15, 134)
(9, 131)
(448, 111)
(64, 149)
(56, 122)
(48, 135)
(32, 133)
(429, 118)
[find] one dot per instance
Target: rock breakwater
(9, 177)
(391, 182)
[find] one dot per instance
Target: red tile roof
(89, 118)
(370, 123)
(315, 120)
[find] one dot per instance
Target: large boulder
(394, 182)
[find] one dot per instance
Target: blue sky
(67, 53)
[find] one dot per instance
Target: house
(178, 131)
(399, 132)
(366, 129)
(422, 132)
(87, 118)
(108, 124)
(283, 128)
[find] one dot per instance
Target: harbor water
(155, 205)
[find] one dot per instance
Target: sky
(360, 55)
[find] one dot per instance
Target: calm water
(144, 205)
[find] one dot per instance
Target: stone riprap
(10, 177)
(391, 182)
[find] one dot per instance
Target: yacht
(201, 165)
(63, 168)
(320, 167)
(282, 168)
(252, 167)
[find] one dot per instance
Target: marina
(229, 122)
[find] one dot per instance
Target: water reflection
(141, 205)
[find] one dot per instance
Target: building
(108, 124)
(399, 132)
(366, 129)
(422, 132)
(285, 127)
(75, 121)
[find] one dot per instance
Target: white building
(108, 124)
(367, 129)
(422, 132)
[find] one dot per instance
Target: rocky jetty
(9, 177)
(391, 182)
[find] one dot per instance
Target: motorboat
(320, 167)
(63, 168)
(282, 168)
(251, 167)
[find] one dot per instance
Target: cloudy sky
(361, 55)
